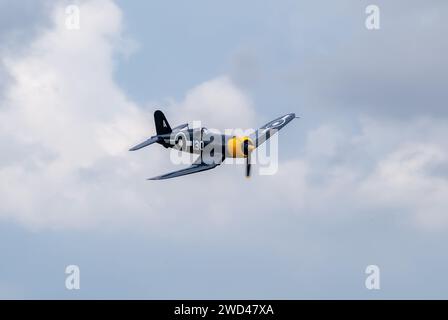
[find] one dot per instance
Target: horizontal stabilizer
(145, 144)
(182, 126)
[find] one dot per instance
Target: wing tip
(183, 172)
(155, 178)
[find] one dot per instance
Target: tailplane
(162, 125)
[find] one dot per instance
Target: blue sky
(362, 177)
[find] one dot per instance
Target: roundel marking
(275, 123)
(180, 142)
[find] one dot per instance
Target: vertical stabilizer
(162, 125)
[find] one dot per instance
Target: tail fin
(162, 125)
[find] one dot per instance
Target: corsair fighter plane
(212, 148)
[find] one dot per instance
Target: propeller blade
(248, 147)
(248, 166)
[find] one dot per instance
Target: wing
(194, 168)
(270, 128)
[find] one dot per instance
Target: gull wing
(194, 168)
(270, 128)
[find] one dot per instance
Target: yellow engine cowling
(235, 147)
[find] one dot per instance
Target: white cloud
(408, 179)
(67, 126)
(218, 104)
(395, 168)
(71, 127)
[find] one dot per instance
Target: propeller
(248, 166)
(248, 147)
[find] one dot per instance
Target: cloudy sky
(363, 175)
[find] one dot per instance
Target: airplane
(212, 147)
